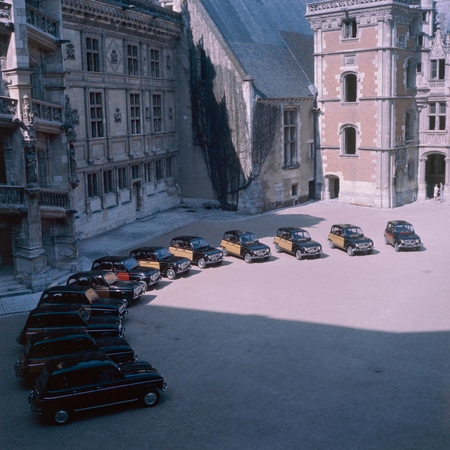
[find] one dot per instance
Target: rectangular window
(96, 116)
(122, 173)
(412, 28)
(290, 137)
(108, 181)
(154, 63)
(350, 29)
(311, 150)
(419, 68)
(424, 16)
(132, 60)
(148, 168)
(135, 172)
(437, 69)
(158, 170)
(92, 185)
(135, 114)
(420, 40)
(157, 113)
(170, 166)
(437, 116)
(92, 55)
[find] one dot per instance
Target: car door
(389, 233)
(112, 387)
(233, 245)
(182, 248)
(285, 241)
(337, 236)
(83, 385)
(121, 272)
(100, 287)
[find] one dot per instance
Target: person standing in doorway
(441, 190)
(436, 191)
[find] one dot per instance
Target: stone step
(14, 291)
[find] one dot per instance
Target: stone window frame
(159, 170)
(409, 121)
(155, 62)
(157, 112)
(122, 177)
(290, 138)
(93, 55)
(170, 166)
(148, 171)
(437, 69)
(350, 29)
(343, 132)
(344, 89)
(96, 114)
(133, 65)
(108, 181)
(437, 120)
(410, 73)
(92, 186)
(135, 113)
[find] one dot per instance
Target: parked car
(128, 269)
(296, 241)
(44, 347)
(400, 234)
(60, 317)
(86, 296)
(108, 286)
(245, 245)
(196, 249)
(91, 380)
(349, 238)
(160, 258)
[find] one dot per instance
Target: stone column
(447, 180)
(326, 193)
(422, 194)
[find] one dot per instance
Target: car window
(110, 372)
(64, 347)
(56, 382)
(83, 377)
(248, 238)
(36, 351)
(107, 266)
(84, 281)
(72, 281)
(119, 267)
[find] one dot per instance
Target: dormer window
(349, 29)
(438, 69)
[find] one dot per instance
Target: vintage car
(128, 269)
(349, 238)
(245, 245)
(60, 317)
(86, 296)
(44, 347)
(160, 258)
(91, 380)
(296, 241)
(108, 286)
(401, 234)
(196, 249)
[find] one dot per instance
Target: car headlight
(356, 245)
(417, 241)
(402, 241)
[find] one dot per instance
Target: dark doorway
(312, 190)
(434, 172)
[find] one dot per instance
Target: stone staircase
(9, 287)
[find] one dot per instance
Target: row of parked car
(74, 349)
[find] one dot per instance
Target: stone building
(88, 137)
(380, 72)
(252, 102)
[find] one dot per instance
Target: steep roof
(272, 40)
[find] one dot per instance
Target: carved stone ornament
(400, 157)
(70, 52)
(28, 124)
(118, 116)
(114, 59)
(5, 13)
(147, 113)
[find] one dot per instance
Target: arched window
(411, 74)
(350, 87)
(349, 140)
(409, 126)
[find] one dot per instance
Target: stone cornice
(154, 21)
(339, 5)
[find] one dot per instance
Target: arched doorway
(331, 187)
(434, 171)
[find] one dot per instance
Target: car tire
(350, 251)
(330, 243)
(150, 398)
(127, 302)
(201, 263)
(247, 258)
(61, 416)
(171, 274)
(277, 248)
(224, 251)
(298, 254)
(397, 247)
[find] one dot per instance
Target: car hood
(107, 342)
(144, 270)
(125, 285)
(307, 243)
(406, 236)
(209, 251)
(359, 239)
(256, 246)
(105, 302)
(102, 320)
(140, 369)
(174, 260)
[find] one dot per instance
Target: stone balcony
(42, 28)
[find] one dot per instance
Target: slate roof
(272, 40)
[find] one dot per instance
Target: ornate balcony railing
(8, 105)
(47, 111)
(42, 21)
(339, 4)
(53, 198)
(12, 195)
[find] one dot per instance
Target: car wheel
(171, 275)
(397, 247)
(201, 263)
(298, 255)
(330, 243)
(277, 248)
(224, 251)
(386, 240)
(350, 251)
(61, 416)
(247, 258)
(151, 397)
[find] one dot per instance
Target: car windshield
(404, 228)
(131, 263)
(353, 231)
(110, 278)
(300, 235)
(91, 295)
(248, 238)
(43, 377)
(199, 243)
(84, 314)
(163, 253)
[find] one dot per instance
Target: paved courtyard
(334, 353)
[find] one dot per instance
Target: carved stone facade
(381, 73)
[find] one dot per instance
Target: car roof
(67, 288)
(399, 222)
(291, 229)
(147, 249)
(89, 273)
(76, 361)
(51, 335)
(187, 238)
(112, 258)
(56, 309)
(345, 225)
(238, 232)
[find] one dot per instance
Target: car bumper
(260, 256)
(362, 250)
(179, 270)
(17, 370)
(155, 281)
(406, 245)
(216, 261)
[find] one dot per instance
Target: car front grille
(215, 257)
(155, 277)
(184, 265)
(410, 242)
(313, 249)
